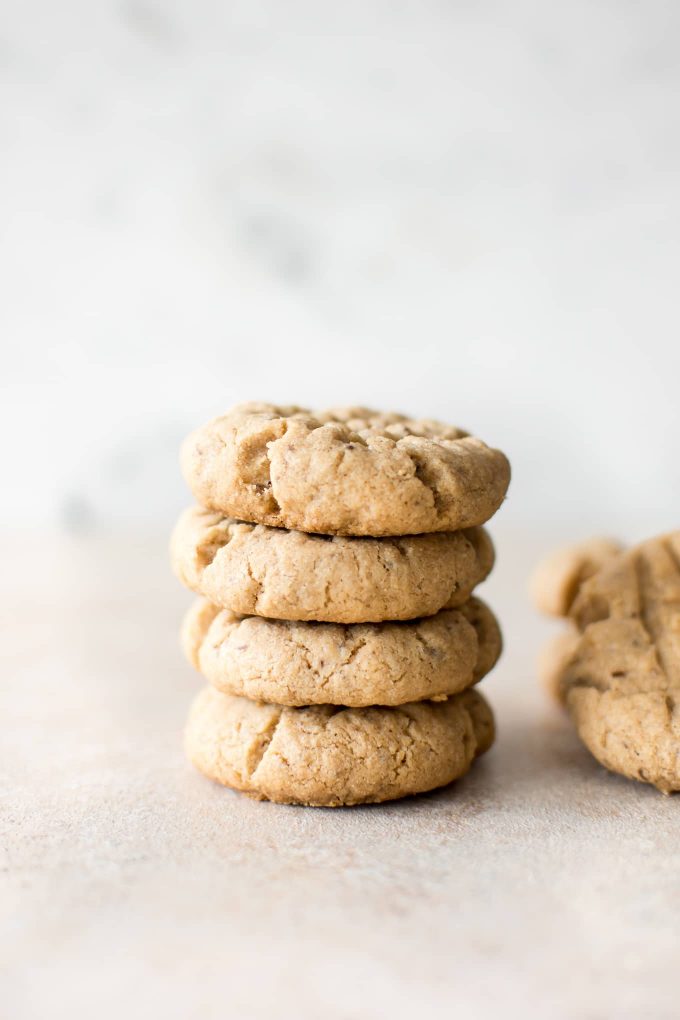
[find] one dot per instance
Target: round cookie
(621, 678)
(346, 471)
(324, 756)
(289, 575)
(355, 665)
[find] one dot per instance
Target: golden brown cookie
(354, 665)
(557, 579)
(325, 756)
(621, 680)
(349, 471)
(489, 637)
(289, 575)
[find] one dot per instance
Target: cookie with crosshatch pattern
(618, 672)
(345, 471)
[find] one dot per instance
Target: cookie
(489, 637)
(353, 664)
(621, 680)
(289, 575)
(557, 579)
(325, 756)
(349, 471)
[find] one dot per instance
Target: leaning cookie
(556, 581)
(348, 471)
(289, 575)
(620, 678)
(324, 756)
(354, 665)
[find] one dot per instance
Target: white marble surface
(539, 886)
(460, 209)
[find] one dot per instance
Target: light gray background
(468, 210)
(464, 210)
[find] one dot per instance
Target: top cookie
(347, 471)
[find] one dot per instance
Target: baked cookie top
(326, 756)
(620, 673)
(355, 665)
(255, 570)
(345, 471)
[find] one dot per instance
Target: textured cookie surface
(621, 679)
(355, 665)
(289, 575)
(349, 471)
(326, 756)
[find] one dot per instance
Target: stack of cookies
(336, 555)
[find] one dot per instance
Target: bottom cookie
(324, 756)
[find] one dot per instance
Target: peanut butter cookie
(289, 575)
(620, 678)
(347, 471)
(557, 579)
(353, 665)
(325, 756)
